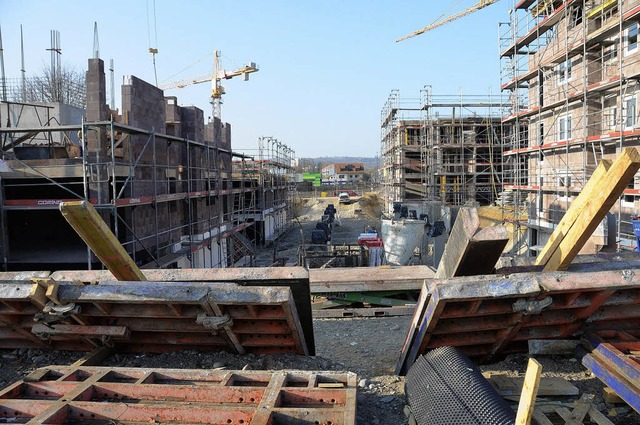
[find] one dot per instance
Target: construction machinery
(440, 22)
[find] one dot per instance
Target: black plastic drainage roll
(444, 387)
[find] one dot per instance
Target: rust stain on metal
(63, 394)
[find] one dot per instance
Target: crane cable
(446, 12)
(153, 50)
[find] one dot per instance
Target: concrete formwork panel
(60, 395)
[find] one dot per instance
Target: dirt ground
(369, 347)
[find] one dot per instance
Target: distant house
(343, 173)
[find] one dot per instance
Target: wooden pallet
(64, 394)
(580, 412)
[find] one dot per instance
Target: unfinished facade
(571, 71)
(163, 180)
(442, 148)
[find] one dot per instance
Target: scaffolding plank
(487, 316)
(156, 317)
(470, 249)
(86, 221)
(62, 394)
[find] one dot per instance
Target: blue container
(636, 227)
(636, 231)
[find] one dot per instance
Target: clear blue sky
(326, 67)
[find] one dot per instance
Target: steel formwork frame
(571, 71)
(126, 181)
(62, 394)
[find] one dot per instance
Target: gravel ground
(367, 346)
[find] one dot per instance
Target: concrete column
(96, 142)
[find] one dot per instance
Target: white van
(344, 198)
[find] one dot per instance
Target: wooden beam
(573, 213)
(606, 192)
(86, 221)
(471, 250)
(529, 392)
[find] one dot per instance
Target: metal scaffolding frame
(572, 80)
(152, 181)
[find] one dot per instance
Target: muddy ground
(367, 346)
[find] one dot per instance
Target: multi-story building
(343, 173)
(169, 186)
(446, 149)
(571, 71)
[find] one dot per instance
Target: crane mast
(480, 5)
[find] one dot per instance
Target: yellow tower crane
(217, 90)
(438, 23)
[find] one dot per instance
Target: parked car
(344, 198)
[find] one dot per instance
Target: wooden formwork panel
(65, 394)
(149, 316)
(490, 316)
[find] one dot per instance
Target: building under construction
(442, 148)
(169, 186)
(570, 70)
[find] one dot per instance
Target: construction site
(153, 273)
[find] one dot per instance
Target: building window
(631, 39)
(611, 117)
(628, 200)
(564, 127)
(576, 15)
(564, 71)
(610, 49)
(629, 112)
(563, 183)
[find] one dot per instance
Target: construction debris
(615, 362)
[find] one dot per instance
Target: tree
(65, 85)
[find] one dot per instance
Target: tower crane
(217, 90)
(438, 23)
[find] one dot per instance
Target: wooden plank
(364, 312)
(596, 416)
(549, 386)
(607, 191)
(541, 418)
(367, 279)
(86, 221)
(577, 415)
(529, 392)
(573, 213)
(610, 396)
(471, 250)
(95, 357)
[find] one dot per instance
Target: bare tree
(65, 85)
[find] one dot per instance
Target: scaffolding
(570, 69)
(171, 201)
(446, 149)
